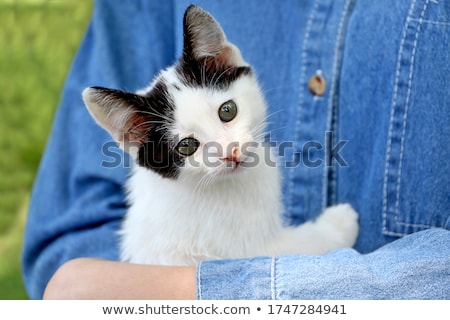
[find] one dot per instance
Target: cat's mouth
(232, 164)
(234, 159)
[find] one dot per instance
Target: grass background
(38, 40)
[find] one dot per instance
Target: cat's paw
(342, 221)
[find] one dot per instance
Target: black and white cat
(198, 191)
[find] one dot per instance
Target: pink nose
(233, 156)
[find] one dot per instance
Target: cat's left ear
(205, 41)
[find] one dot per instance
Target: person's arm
(415, 267)
(88, 278)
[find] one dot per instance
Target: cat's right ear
(118, 113)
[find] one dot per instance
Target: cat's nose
(234, 155)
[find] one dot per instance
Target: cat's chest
(229, 202)
(171, 217)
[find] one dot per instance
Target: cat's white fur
(215, 208)
(236, 214)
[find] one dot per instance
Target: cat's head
(198, 117)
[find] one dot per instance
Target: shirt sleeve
(414, 267)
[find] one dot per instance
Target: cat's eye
(187, 146)
(228, 111)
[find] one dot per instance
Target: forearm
(412, 268)
(87, 278)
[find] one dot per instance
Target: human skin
(89, 278)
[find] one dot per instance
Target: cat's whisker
(203, 74)
(145, 123)
(163, 137)
(262, 136)
(259, 127)
(266, 91)
(136, 128)
(203, 184)
(155, 114)
(275, 129)
(207, 180)
(273, 113)
(265, 120)
(259, 131)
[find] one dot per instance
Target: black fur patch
(208, 74)
(157, 152)
(148, 119)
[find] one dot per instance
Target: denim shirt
(376, 137)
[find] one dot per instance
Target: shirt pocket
(416, 188)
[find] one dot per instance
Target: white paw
(343, 223)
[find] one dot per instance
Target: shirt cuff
(246, 279)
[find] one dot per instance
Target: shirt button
(317, 85)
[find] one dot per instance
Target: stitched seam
(394, 234)
(405, 116)
(301, 98)
(199, 284)
(333, 100)
(439, 23)
(273, 293)
(391, 119)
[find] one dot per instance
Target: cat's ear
(118, 113)
(205, 41)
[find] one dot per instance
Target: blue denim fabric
(394, 271)
(387, 70)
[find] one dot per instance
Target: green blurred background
(38, 40)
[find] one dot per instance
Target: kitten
(201, 189)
